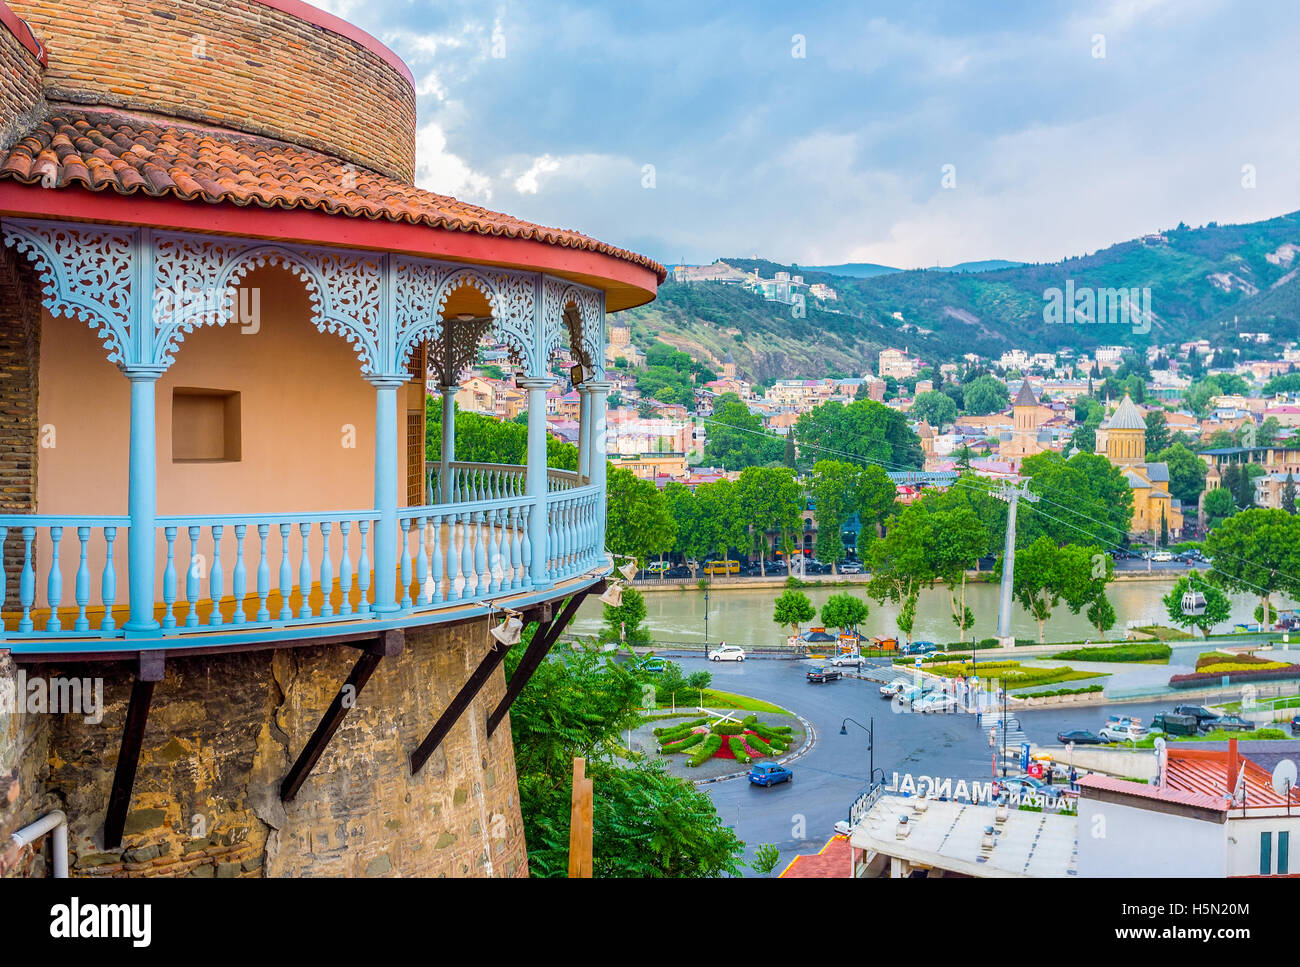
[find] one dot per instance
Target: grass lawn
(728, 700)
(1161, 633)
(1292, 702)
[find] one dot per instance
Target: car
(1172, 723)
(821, 673)
(936, 702)
(850, 567)
(678, 571)
(817, 567)
(1232, 723)
(1121, 733)
(769, 774)
(1079, 737)
(914, 693)
(776, 567)
(1295, 725)
(727, 653)
(848, 659)
(1198, 712)
(1162, 557)
(657, 567)
(894, 687)
(922, 648)
(1023, 786)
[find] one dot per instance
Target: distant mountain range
(867, 270)
(1204, 282)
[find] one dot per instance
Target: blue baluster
(169, 578)
(494, 552)
(216, 577)
(263, 574)
(286, 575)
(425, 593)
(437, 560)
(54, 583)
(403, 532)
(83, 583)
(239, 583)
(525, 546)
(27, 582)
(304, 572)
(326, 572)
(481, 556)
(467, 556)
(513, 537)
(363, 567)
(108, 583)
(192, 575)
(345, 569)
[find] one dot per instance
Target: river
(744, 616)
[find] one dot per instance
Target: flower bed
(1253, 674)
(743, 741)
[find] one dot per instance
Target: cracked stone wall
(222, 733)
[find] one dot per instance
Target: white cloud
(438, 170)
(529, 182)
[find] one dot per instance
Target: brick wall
(238, 64)
(223, 732)
(20, 87)
(20, 350)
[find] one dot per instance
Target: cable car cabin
(1193, 603)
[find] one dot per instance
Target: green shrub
(737, 746)
(695, 738)
(710, 745)
(1134, 651)
(728, 728)
(758, 745)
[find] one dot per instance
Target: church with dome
(1122, 439)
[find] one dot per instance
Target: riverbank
(846, 580)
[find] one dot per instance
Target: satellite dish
(1284, 774)
(1159, 745)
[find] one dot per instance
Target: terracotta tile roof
(1144, 791)
(828, 863)
(104, 150)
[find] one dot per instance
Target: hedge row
(737, 746)
(1141, 651)
(1223, 658)
(695, 738)
(683, 728)
(710, 745)
(1196, 679)
(1059, 691)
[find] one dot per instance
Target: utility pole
(1011, 494)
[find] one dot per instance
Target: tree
(900, 563)
(1219, 505)
(1085, 496)
(1217, 607)
(765, 859)
(1186, 472)
(737, 439)
(934, 408)
(789, 457)
(767, 499)
(834, 492)
(1288, 493)
(844, 611)
(986, 394)
(877, 498)
(865, 430)
(1047, 575)
(638, 523)
(1101, 615)
(623, 621)
(647, 823)
(793, 608)
(959, 538)
(1157, 431)
(1257, 552)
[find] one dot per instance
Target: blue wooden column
(599, 430)
(584, 434)
(386, 599)
(142, 502)
(538, 527)
(445, 493)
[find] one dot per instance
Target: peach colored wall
(299, 389)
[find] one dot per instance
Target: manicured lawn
(728, 700)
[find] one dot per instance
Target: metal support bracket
(149, 673)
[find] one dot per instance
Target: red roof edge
(18, 27)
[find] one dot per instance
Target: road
(799, 817)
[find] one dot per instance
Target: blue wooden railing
(252, 572)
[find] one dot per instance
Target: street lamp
(871, 745)
(706, 616)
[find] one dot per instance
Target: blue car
(769, 774)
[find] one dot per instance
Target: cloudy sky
(825, 132)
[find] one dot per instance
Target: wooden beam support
(387, 645)
(543, 639)
(149, 673)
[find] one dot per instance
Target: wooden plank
(547, 633)
(580, 822)
(128, 756)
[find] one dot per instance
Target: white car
(894, 687)
(1162, 557)
(935, 702)
(1113, 733)
(727, 653)
(848, 660)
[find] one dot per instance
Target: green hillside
(1200, 279)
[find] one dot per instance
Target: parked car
(769, 774)
(776, 567)
(850, 567)
(816, 567)
(936, 702)
(727, 653)
(853, 658)
(914, 693)
(1198, 712)
(922, 648)
(1120, 733)
(657, 568)
(1079, 737)
(822, 673)
(894, 687)
(1022, 785)
(1172, 723)
(1295, 725)
(678, 571)
(1232, 723)
(1162, 557)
